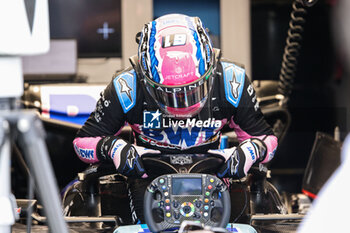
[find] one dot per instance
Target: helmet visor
(183, 96)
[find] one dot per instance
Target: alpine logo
(184, 88)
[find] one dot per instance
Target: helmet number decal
(173, 40)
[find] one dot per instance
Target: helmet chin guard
(177, 63)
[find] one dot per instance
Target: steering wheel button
(207, 193)
(153, 188)
(211, 180)
(163, 187)
(166, 194)
(210, 187)
(195, 216)
(206, 207)
(175, 204)
(206, 200)
(167, 201)
(161, 181)
(168, 215)
(187, 209)
(167, 207)
(205, 214)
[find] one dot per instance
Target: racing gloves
(238, 160)
(126, 157)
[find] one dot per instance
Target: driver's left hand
(238, 160)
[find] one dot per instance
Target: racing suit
(124, 101)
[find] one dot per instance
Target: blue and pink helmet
(177, 61)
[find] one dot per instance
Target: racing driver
(177, 96)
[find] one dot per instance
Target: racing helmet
(177, 62)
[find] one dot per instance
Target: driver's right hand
(127, 158)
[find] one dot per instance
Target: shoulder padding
(125, 86)
(234, 77)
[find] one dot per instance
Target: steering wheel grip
(225, 195)
(152, 225)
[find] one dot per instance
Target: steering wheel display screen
(186, 186)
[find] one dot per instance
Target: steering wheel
(171, 199)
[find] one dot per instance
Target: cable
(292, 48)
(245, 202)
(17, 153)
